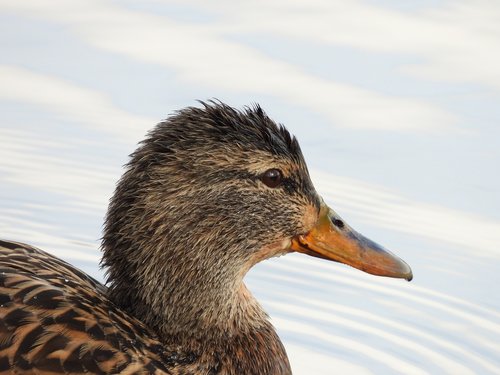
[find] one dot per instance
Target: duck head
(208, 194)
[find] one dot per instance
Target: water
(398, 126)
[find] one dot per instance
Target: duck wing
(56, 319)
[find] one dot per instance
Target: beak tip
(408, 273)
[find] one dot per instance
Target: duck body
(209, 193)
(55, 319)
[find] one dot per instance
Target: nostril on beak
(337, 222)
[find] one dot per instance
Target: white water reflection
(405, 156)
(426, 327)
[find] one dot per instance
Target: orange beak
(332, 239)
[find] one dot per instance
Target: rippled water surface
(397, 120)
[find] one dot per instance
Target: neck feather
(188, 299)
(230, 334)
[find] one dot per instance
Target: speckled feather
(56, 319)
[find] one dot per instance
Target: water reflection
(379, 324)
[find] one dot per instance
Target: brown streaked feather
(56, 319)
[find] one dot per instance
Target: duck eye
(272, 177)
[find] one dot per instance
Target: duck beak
(333, 239)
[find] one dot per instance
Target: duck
(210, 192)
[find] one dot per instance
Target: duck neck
(193, 300)
(225, 329)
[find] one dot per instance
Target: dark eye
(272, 177)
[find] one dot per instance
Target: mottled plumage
(193, 212)
(56, 319)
